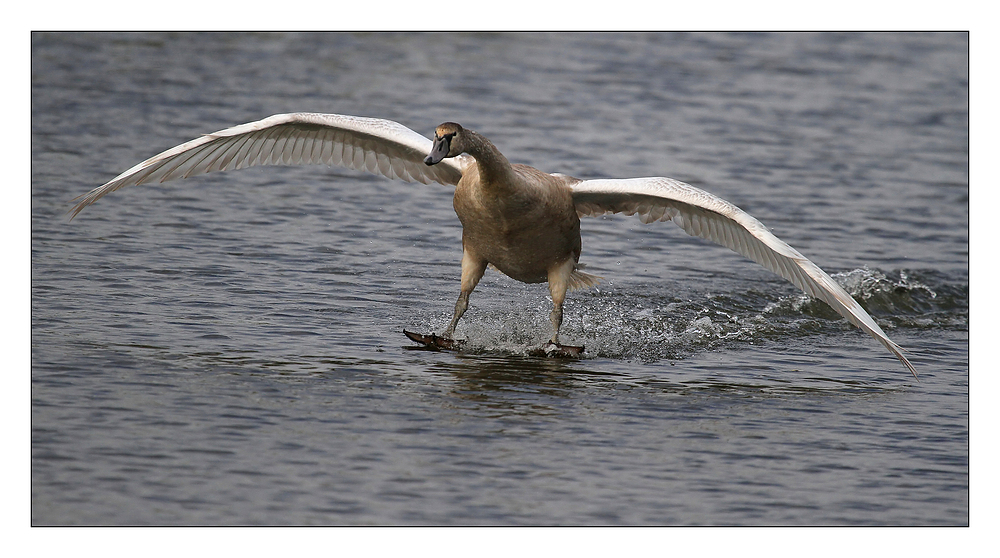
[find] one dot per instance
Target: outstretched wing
(712, 218)
(379, 146)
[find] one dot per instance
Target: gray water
(227, 350)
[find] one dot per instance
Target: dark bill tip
(439, 150)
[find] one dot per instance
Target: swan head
(447, 143)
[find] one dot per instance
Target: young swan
(518, 219)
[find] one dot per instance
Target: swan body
(522, 221)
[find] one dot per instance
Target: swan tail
(581, 280)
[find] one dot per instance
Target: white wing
(379, 146)
(712, 218)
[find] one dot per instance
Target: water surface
(228, 349)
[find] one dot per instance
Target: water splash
(657, 321)
(905, 298)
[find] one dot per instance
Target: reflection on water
(479, 376)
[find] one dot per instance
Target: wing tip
(906, 362)
(898, 352)
(80, 202)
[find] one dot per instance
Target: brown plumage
(519, 219)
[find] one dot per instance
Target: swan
(520, 220)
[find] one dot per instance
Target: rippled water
(228, 349)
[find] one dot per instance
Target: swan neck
(494, 168)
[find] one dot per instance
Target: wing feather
(707, 216)
(379, 146)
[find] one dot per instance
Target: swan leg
(558, 285)
(473, 269)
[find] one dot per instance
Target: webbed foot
(435, 341)
(556, 350)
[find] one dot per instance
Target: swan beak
(439, 150)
